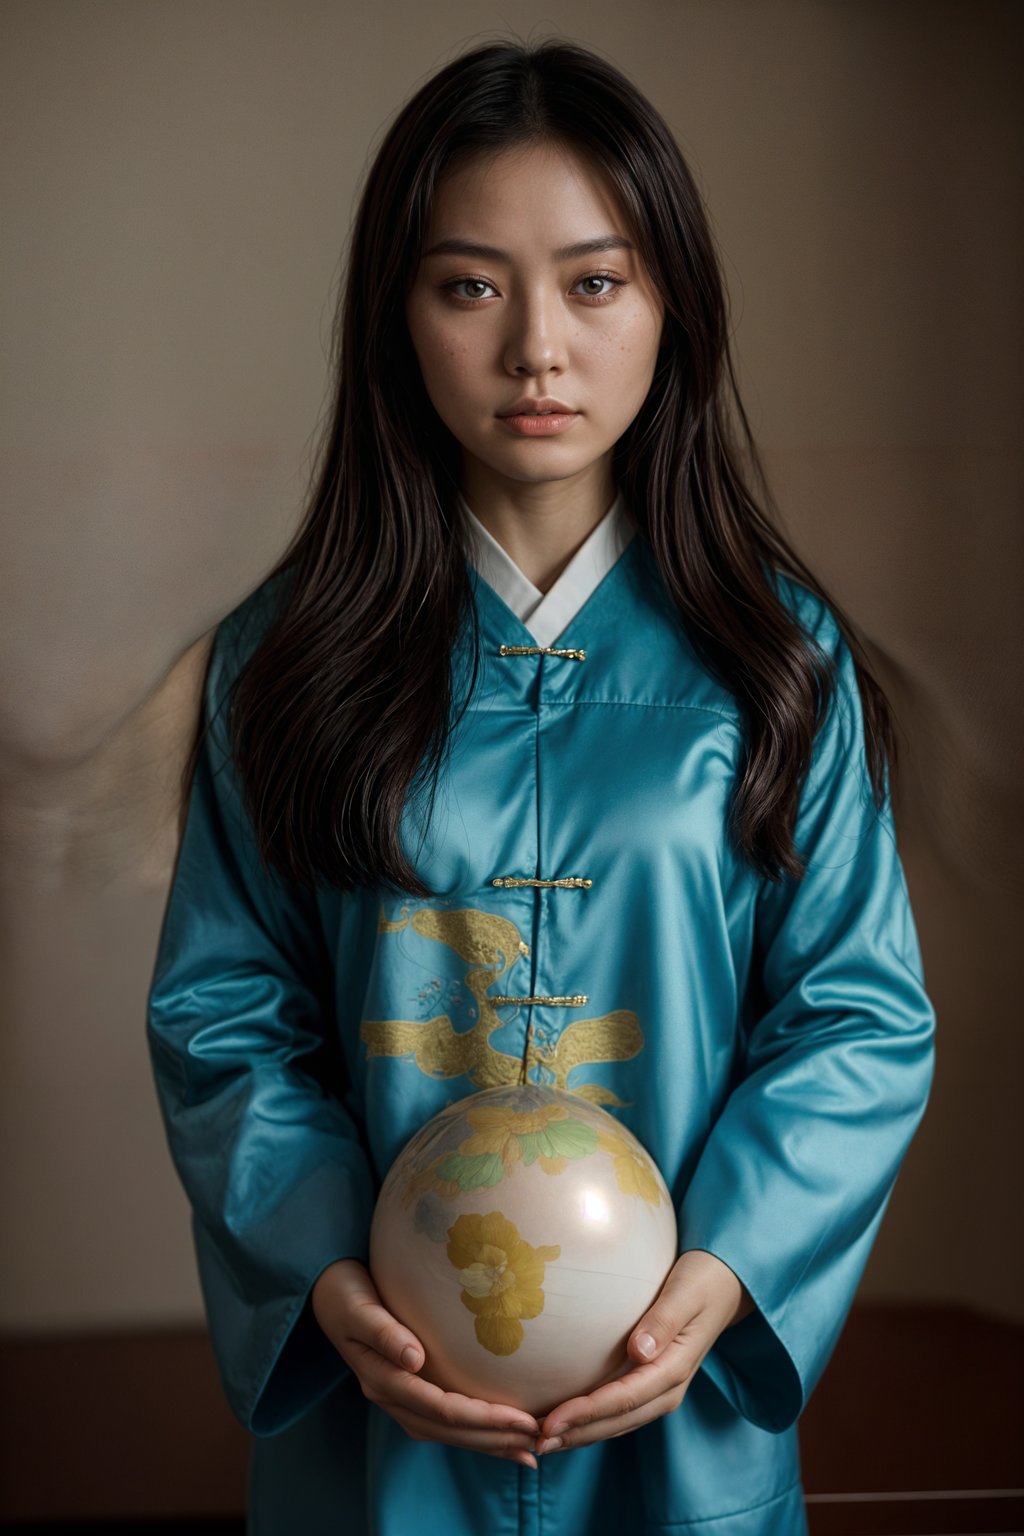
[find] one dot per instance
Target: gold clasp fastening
(540, 650)
(575, 1001)
(570, 882)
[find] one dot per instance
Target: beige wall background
(178, 178)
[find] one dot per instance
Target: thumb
(675, 1306)
(354, 1301)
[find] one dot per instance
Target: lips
(544, 406)
(540, 424)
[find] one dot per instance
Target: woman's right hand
(385, 1356)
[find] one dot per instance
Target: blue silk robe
(771, 1045)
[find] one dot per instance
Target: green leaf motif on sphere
(563, 1138)
(471, 1172)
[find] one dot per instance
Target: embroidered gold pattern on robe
(490, 945)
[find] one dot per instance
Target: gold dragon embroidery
(490, 945)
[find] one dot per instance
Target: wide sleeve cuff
(251, 1083)
(274, 1359)
(796, 1173)
(753, 1368)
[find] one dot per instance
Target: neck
(540, 526)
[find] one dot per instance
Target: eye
(474, 282)
(602, 277)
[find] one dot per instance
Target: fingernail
(554, 1444)
(645, 1344)
(559, 1429)
(410, 1357)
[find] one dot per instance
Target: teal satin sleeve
(794, 1179)
(240, 1015)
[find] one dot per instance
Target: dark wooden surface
(923, 1404)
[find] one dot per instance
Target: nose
(537, 340)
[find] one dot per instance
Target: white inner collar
(546, 614)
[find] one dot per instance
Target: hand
(700, 1298)
(385, 1356)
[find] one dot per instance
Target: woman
(539, 756)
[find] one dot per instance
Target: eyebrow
(458, 247)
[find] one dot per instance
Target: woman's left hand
(700, 1298)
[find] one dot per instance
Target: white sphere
(521, 1234)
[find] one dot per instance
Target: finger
(640, 1385)
(676, 1310)
(492, 1442)
(372, 1324)
(391, 1386)
(619, 1424)
(643, 1384)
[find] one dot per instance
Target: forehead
(533, 189)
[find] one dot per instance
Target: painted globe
(521, 1234)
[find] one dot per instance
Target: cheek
(445, 356)
(441, 355)
(639, 343)
(629, 345)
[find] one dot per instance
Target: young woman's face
(524, 320)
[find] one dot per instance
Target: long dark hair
(347, 704)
